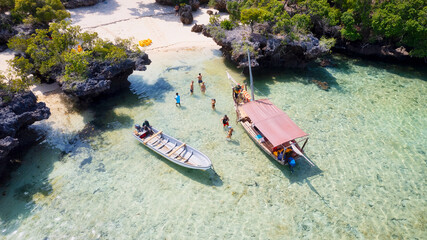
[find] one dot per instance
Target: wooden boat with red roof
(268, 126)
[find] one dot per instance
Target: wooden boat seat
(162, 144)
(157, 141)
(177, 153)
(176, 149)
(153, 136)
(186, 157)
(168, 147)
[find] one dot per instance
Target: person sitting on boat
(292, 163)
(138, 128)
(146, 126)
(225, 121)
(237, 91)
(139, 131)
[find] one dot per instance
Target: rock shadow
(156, 91)
(406, 70)
(27, 185)
(151, 10)
(106, 118)
(105, 8)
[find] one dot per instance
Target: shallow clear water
(91, 180)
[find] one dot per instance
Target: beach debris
(145, 43)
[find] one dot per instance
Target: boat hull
(175, 150)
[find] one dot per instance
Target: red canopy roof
(273, 123)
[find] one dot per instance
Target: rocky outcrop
(70, 4)
(267, 50)
(17, 112)
(220, 5)
(383, 52)
(197, 28)
(185, 14)
(105, 78)
(6, 29)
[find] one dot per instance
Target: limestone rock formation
(267, 50)
(17, 112)
(185, 14)
(105, 78)
(6, 29)
(220, 5)
(197, 28)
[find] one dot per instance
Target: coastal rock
(197, 28)
(70, 4)
(267, 50)
(374, 51)
(195, 4)
(17, 112)
(220, 5)
(105, 78)
(6, 29)
(185, 14)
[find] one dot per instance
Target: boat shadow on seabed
(302, 174)
(208, 177)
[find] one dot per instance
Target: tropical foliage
(63, 52)
(396, 22)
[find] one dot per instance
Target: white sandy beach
(141, 20)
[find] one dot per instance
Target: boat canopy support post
(306, 140)
(301, 154)
(250, 76)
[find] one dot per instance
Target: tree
(40, 11)
(253, 15)
(349, 31)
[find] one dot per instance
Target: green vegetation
(62, 52)
(253, 15)
(35, 11)
(395, 22)
(226, 24)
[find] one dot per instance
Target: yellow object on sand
(145, 43)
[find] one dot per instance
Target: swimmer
(199, 78)
(213, 101)
(192, 87)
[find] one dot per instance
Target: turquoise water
(91, 180)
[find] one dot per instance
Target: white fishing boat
(173, 150)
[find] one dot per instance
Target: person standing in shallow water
(213, 101)
(203, 88)
(178, 100)
(230, 132)
(199, 79)
(192, 87)
(225, 121)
